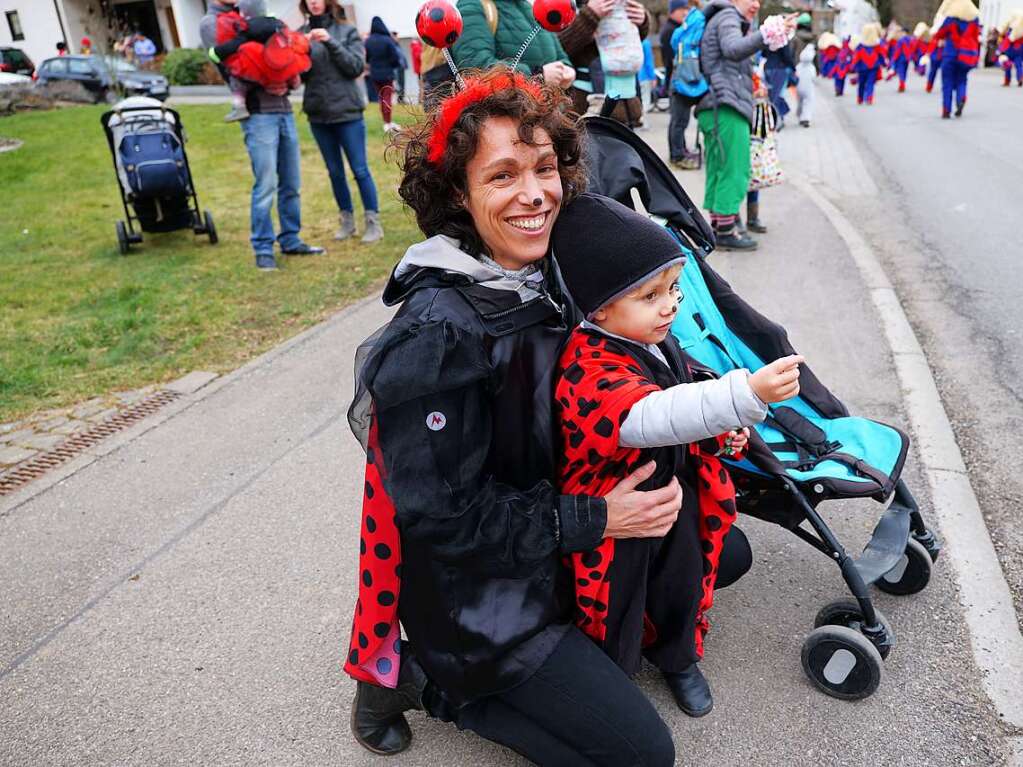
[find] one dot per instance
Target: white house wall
(38, 23)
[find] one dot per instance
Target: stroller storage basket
(810, 449)
(147, 145)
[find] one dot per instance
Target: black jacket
(332, 94)
(667, 52)
(382, 52)
(484, 596)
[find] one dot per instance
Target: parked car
(103, 76)
(15, 61)
(6, 78)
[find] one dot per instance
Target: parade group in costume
(1010, 49)
(949, 47)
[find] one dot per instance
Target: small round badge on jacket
(436, 421)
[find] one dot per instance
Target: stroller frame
(843, 656)
(202, 221)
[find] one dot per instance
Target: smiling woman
(463, 533)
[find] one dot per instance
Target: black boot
(959, 108)
(733, 239)
(378, 720)
(691, 691)
(753, 222)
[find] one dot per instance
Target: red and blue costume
(900, 54)
(1012, 50)
(843, 65)
(936, 50)
(868, 63)
(962, 53)
(829, 58)
(920, 47)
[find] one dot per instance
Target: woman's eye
(502, 176)
(548, 169)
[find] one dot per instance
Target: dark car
(104, 77)
(16, 62)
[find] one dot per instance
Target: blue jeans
(272, 141)
(350, 137)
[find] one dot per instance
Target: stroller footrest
(887, 544)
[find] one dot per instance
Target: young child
(807, 73)
(624, 396)
(258, 49)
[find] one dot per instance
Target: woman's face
(748, 8)
(514, 192)
(316, 7)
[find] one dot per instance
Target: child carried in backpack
(625, 396)
(258, 50)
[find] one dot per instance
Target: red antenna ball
(439, 23)
(554, 15)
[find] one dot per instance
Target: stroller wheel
(911, 574)
(211, 230)
(930, 542)
(842, 663)
(123, 243)
(847, 612)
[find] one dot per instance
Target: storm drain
(34, 468)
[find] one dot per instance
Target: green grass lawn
(77, 319)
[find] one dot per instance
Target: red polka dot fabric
(597, 384)
(375, 649)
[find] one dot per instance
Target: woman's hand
(778, 380)
(319, 35)
(635, 12)
(601, 7)
(633, 513)
(790, 24)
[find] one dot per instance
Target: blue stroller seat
(809, 450)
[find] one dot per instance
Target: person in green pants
(725, 113)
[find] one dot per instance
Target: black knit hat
(605, 249)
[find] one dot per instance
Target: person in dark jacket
(779, 67)
(383, 56)
(463, 534)
(334, 105)
(680, 108)
(725, 113)
(578, 40)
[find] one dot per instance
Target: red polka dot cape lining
(597, 385)
(376, 611)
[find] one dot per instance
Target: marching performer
(868, 63)
(959, 28)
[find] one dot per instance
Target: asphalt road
(946, 223)
(186, 598)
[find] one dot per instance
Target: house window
(14, 24)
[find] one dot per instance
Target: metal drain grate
(34, 468)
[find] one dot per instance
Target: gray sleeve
(691, 412)
(208, 31)
(349, 55)
(734, 45)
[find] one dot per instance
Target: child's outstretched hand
(735, 442)
(778, 380)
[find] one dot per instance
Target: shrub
(184, 66)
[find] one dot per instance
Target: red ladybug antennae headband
(473, 90)
(439, 24)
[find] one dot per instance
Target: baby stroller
(809, 449)
(147, 144)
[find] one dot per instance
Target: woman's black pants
(579, 709)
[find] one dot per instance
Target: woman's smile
(531, 223)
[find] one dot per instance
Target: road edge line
(984, 595)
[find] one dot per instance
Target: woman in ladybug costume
(463, 534)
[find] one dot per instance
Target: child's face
(645, 313)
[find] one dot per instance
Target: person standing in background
(334, 105)
(416, 48)
(383, 57)
(685, 91)
(399, 71)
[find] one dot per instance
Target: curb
(10, 503)
(983, 592)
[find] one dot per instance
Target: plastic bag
(617, 38)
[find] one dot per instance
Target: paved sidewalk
(186, 598)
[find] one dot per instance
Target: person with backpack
(725, 113)
(687, 85)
